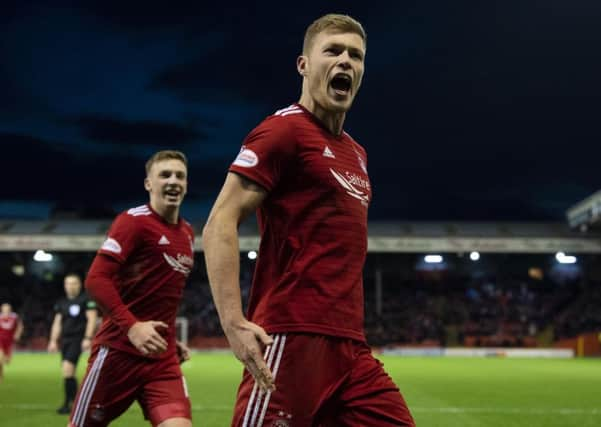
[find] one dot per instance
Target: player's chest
(7, 323)
(169, 249)
(336, 167)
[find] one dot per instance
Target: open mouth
(172, 193)
(341, 83)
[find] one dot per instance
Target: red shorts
(321, 381)
(6, 346)
(114, 379)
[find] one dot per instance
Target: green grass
(440, 392)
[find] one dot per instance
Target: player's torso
(156, 271)
(8, 322)
(73, 314)
(327, 191)
(314, 236)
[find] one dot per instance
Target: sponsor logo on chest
(357, 180)
(356, 185)
(181, 263)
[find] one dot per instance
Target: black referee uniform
(73, 324)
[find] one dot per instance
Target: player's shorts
(321, 381)
(6, 346)
(115, 379)
(71, 349)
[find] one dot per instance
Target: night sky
(474, 111)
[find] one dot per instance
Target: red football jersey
(313, 223)
(8, 326)
(156, 258)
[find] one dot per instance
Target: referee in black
(74, 324)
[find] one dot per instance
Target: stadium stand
(516, 294)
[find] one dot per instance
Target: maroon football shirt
(8, 326)
(313, 224)
(156, 258)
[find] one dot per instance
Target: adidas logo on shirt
(328, 153)
(164, 241)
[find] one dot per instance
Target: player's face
(72, 286)
(6, 308)
(167, 183)
(334, 69)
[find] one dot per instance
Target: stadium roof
(586, 213)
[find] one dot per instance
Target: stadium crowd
(415, 310)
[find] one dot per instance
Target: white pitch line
(417, 409)
(523, 411)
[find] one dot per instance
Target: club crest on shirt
(247, 158)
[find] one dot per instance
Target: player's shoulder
(87, 300)
(286, 118)
(133, 216)
(61, 303)
(140, 212)
(187, 226)
(289, 113)
(355, 143)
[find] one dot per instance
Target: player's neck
(169, 213)
(333, 121)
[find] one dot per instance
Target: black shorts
(71, 349)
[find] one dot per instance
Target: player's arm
(55, 333)
(101, 284)
(18, 330)
(183, 352)
(91, 318)
(238, 198)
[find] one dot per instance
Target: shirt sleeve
(90, 304)
(122, 238)
(102, 286)
(266, 152)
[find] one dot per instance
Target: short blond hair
(332, 22)
(166, 155)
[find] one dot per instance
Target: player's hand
(86, 343)
(248, 341)
(52, 346)
(146, 338)
(183, 352)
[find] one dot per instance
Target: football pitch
(441, 392)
